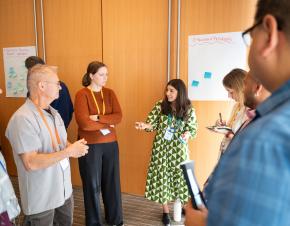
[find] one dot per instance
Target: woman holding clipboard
(234, 84)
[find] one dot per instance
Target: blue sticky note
(207, 74)
(194, 83)
(9, 84)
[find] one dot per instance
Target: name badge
(64, 164)
(169, 133)
(105, 131)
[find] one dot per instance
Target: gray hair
(37, 74)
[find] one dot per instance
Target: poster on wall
(210, 58)
(15, 70)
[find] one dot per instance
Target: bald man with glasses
(41, 152)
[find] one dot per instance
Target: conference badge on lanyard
(64, 164)
(169, 133)
(170, 129)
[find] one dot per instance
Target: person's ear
(258, 89)
(41, 85)
(270, 26)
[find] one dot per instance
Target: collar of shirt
(276, 99)
(33, 107)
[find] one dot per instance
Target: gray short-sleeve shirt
(43, 189)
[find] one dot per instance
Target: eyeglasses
(246, 35)
(55, 83)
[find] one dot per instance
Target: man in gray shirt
(41, 152)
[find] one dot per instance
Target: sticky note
(9, 84)
(20, 89)
(207, 74)
(194, 83)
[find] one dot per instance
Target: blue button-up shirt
(251, 184)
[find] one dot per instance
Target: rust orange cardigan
(85, 106)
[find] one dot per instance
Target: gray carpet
(137, 210)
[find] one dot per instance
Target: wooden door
(17, 29)
(135, 50)
(73, 38)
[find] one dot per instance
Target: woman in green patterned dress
(174, 121)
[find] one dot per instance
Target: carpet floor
(137, 210)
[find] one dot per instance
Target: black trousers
(99, 171)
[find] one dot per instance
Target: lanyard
(54, 146)
(96, 103)
(170, 119)
(2, 166)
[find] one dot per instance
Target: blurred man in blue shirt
(63, 104)
(251, 184)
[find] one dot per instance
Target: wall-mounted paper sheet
(210, 58)
(15, 71)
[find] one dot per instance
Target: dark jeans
(61, 216)
(99, 171)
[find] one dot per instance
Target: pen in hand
(221, 119)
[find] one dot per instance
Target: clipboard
(220, 129)
(197, 198)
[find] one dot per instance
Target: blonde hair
(235, 80)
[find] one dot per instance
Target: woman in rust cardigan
(97, 111)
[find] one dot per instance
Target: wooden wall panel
(205, 17)
(134, 46)
(135, 50)
(73, 38)
(17, 29)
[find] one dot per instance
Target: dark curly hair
(182, 103)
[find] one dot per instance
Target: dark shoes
(166, 219)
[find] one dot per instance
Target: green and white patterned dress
(165, 181)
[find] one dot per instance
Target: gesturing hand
(142, 125)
